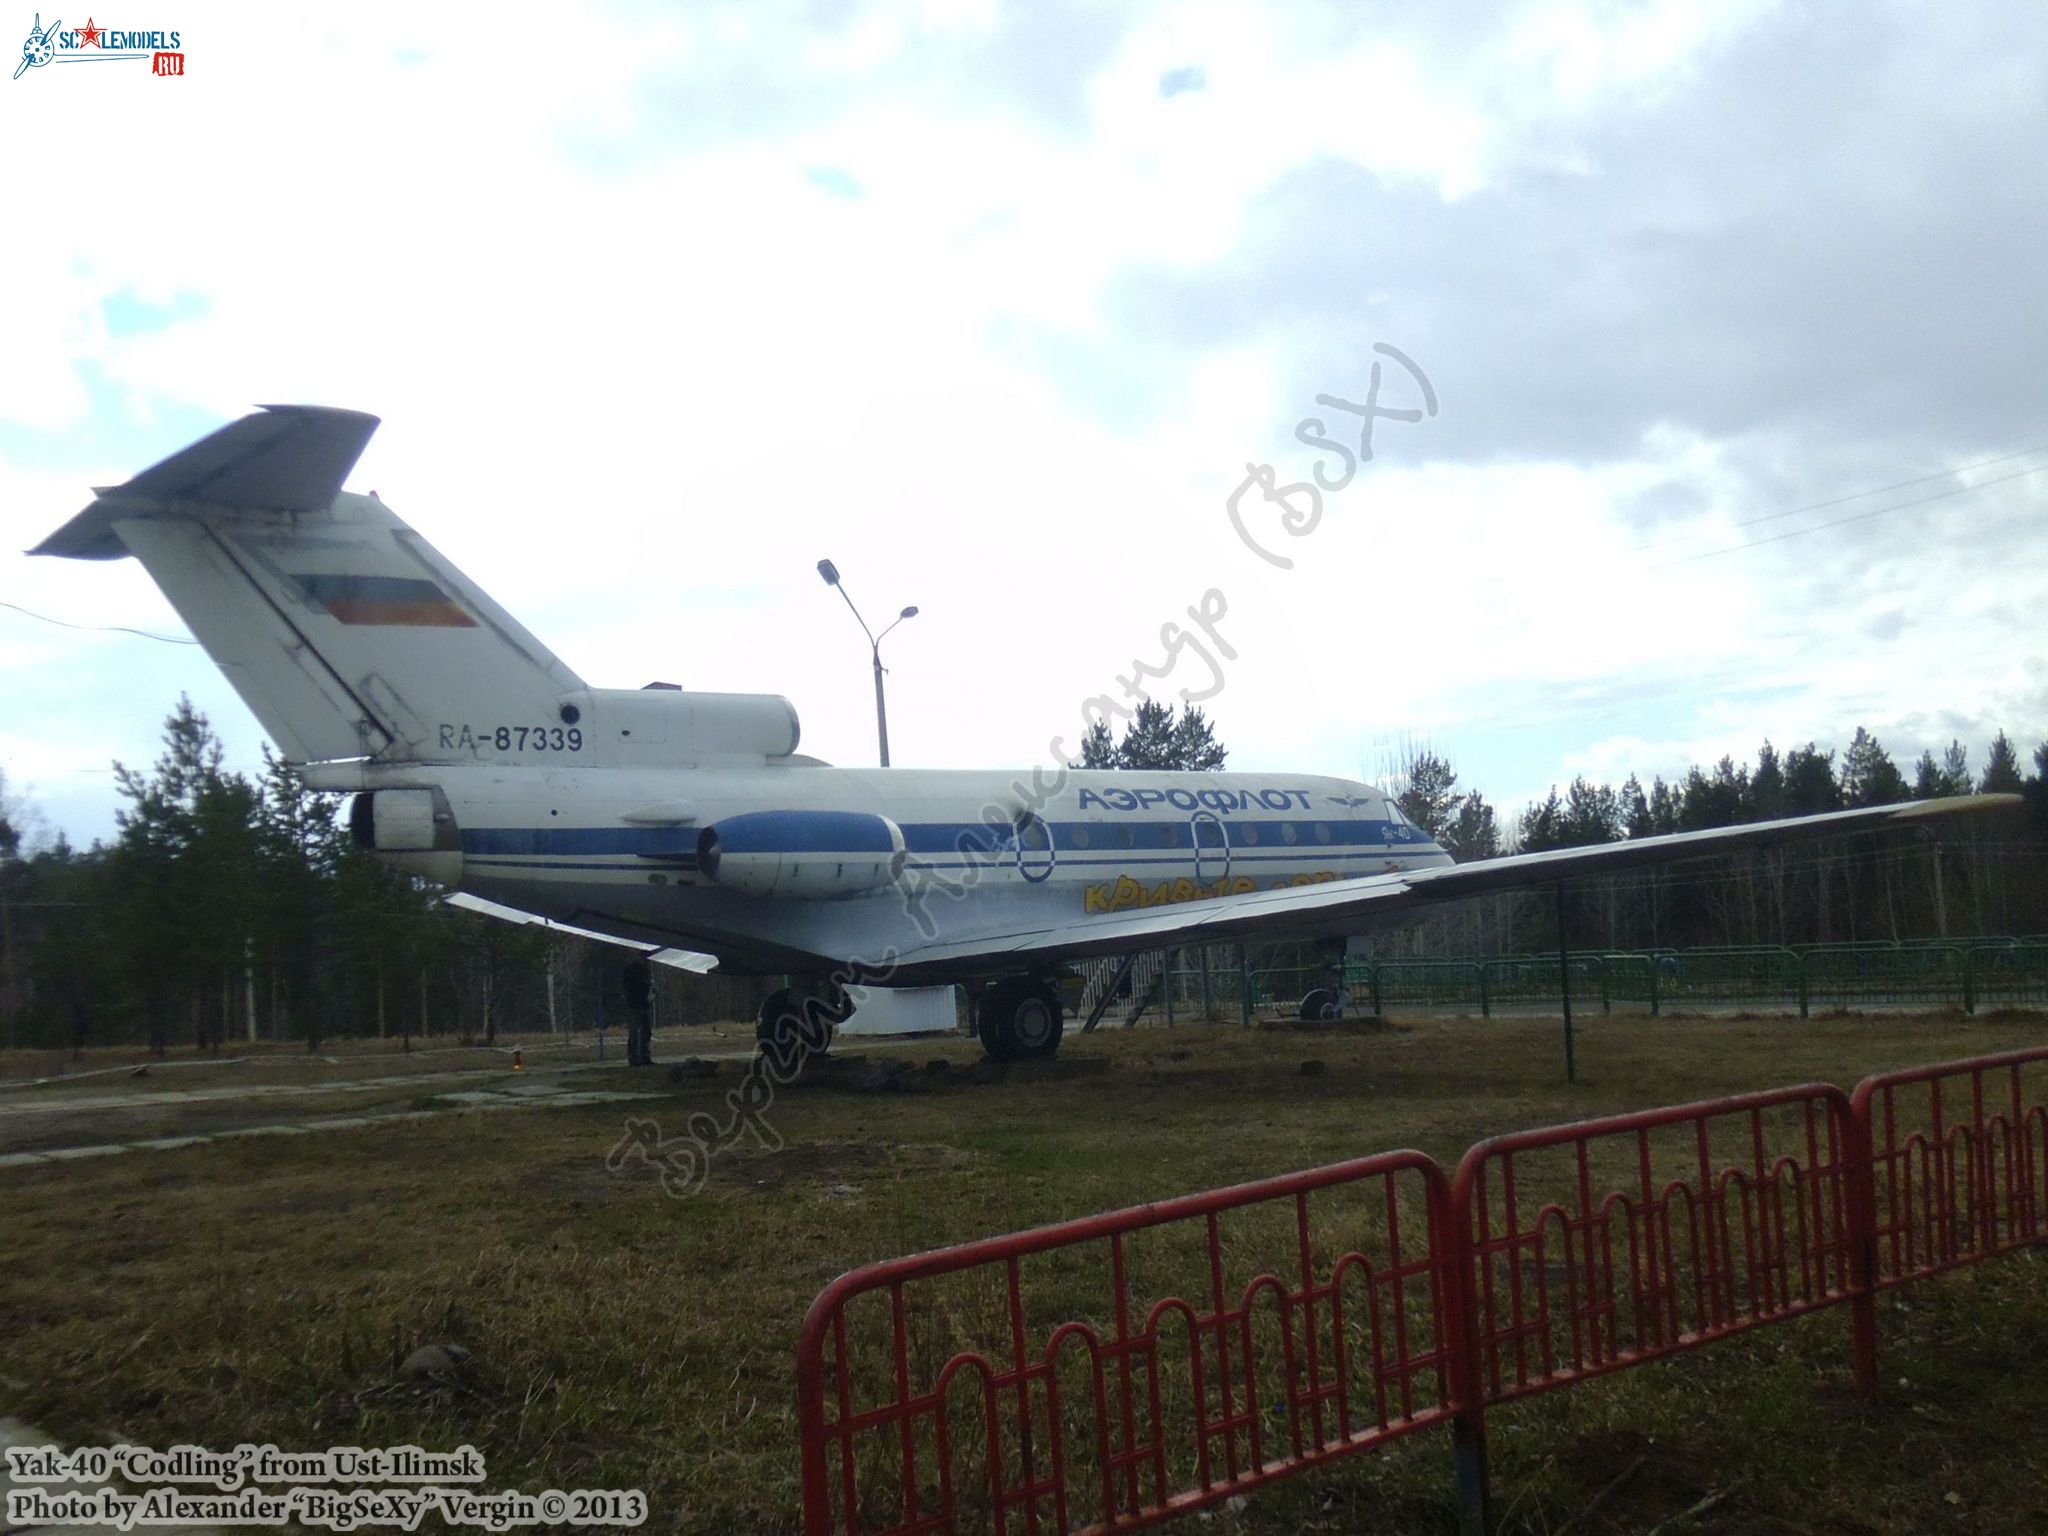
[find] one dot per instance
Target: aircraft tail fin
(344, 631)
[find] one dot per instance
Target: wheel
(1020, 1019)
(795, 1023)
(1322, 1005)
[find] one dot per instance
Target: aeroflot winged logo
(93, 43)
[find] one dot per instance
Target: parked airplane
(480, 761)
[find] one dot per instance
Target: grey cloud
(1826, 233)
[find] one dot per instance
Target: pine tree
(1429, 797)
(1636, 818)
(1592, 814)
(1869, 776)
(1474, 833)
(1156, 739)
(1716, 801)
(10, 835)
(1955, 769)
(2002, 772)
(1543, 826)
(1098, 750)
(1148, 740)
(1810, 784)
(1766, 786)
(1195, 747)
(1663, 808)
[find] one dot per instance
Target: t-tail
(350, 637)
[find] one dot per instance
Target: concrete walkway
(522, 1093)
(15, 1434)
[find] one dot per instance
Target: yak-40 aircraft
(668, 818)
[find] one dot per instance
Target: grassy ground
(267, 1290)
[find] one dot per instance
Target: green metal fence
(1968, 974)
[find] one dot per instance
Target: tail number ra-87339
(512, 738)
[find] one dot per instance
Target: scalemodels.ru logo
(93, 43)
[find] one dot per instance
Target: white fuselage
(621, 849)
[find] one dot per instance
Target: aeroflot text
(1196, 799)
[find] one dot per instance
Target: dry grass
(265, 1290)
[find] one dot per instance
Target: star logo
(89, 35)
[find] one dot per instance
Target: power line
(1838, 501)
(1840, 522)
(111, 629)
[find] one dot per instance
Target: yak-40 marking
(670, 818)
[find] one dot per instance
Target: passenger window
(1322, 833)
(1248, 834)
(1288, 834)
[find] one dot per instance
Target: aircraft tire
(1020, 1019)
(786, 1032)
(1321, 1006)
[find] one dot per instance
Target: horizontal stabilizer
(290, 458)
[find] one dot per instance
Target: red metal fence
(1106, 1374)
(1653, 1233)
(1164, 1403)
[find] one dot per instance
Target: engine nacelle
(810, 855)
(413, 829)
(660, 725)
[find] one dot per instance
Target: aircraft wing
(681, 959)
(1342, 907)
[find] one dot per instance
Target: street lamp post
(830, 572)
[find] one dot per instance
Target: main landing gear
(799, 1021)
(1020, 1018)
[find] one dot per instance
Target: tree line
(1972, 877)
(228, 909)
(1978, 875)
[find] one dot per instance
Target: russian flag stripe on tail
(396, 600)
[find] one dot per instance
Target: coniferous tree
(1810, 784)
(1098, 748)
(1636, 817)
(1663, 808)
(1474, 833)
(1157, 739)
(1869, 776)
(2002, 773)
(1195, 747)
(1713, 801)
(1955, 769)
(1543, 825)
(1766, 801)
(1592, 814)
(1429, 794)
(1926, 777)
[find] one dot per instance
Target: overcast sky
(997, 306)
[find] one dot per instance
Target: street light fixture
(830, 572)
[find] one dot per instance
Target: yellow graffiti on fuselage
(1127, 892)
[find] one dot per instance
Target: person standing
(637, 980)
